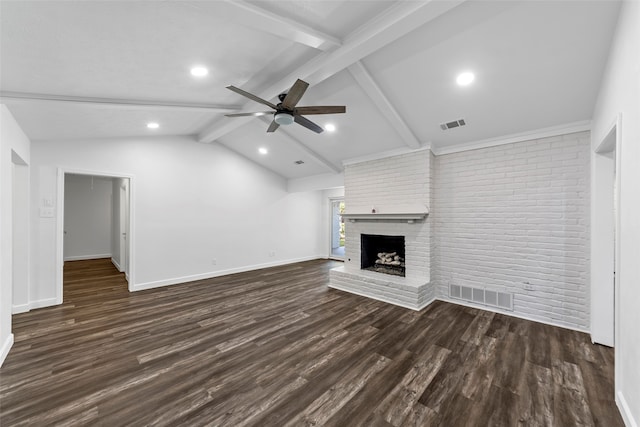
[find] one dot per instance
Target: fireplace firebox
(382, 254)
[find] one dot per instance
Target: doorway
(98, 196)
(605, 237)
(337, 229)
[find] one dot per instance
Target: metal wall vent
(298, 162)
(482, 296)
(453, 124)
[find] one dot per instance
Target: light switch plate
(46, 212)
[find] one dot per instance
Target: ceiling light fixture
(199, 71)
(330, 127)
(465, 79)
(153, 125)
(283, 118)
(263, 150)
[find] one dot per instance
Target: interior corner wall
(620, 94)
(199, 210)
(12, 138)
(88, 217)
(513, 214)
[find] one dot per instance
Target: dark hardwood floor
(276, 347)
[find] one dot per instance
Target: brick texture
(517, 213)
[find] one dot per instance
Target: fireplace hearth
(382, 254)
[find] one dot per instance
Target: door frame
(59, 276)
(331, 201)
(600, 215)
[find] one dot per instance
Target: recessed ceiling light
(153, 125)
(330, 127)
(199, 71)
(465, 78)
(263, 150)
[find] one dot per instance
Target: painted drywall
(199, 210)
(620, 94)
(12, 139)
(515, 215)
(88, 217)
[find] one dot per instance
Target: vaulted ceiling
(104, 69)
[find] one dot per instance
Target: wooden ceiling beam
(394, 23)
(377, 96)
(116, 102)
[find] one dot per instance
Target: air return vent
(453, 124)
(482, 296)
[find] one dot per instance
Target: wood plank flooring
(276, 347)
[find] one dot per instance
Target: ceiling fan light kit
(286, 111)
(283, 118)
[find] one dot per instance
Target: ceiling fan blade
(251, 96)
(256, 114)
(273, 126)
(321, 109)
(295, 93)
(308, 124)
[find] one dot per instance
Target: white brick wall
(385, 183)
(517, 213)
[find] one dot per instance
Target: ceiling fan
(286, 111)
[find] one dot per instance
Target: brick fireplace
(388, 199)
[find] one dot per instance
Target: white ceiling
(104, 69)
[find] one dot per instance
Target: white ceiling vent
(453, 124)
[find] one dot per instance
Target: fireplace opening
(382, 254)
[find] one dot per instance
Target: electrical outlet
(214, 261)
(272, 253)
(528, 286)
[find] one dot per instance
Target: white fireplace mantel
(409, 214)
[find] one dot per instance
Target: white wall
(12, 138)
(191, 203)
(88, 217)
(620, 93)
(518, 213)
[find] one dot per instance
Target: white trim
(6, 346)
(20, 308)
(625, 411)
(568, 128)
(116, 265)
(212, 274)
(85, 257)
(383, 299)
(512, 314)
(384, 155)
(49, 302)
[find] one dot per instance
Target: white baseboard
(43, 303)
(23, 308)
(212, 274)
(20, 308)
(85, 257)
(511, 313)
(116, 265)
(6, 346)
(625, 411)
